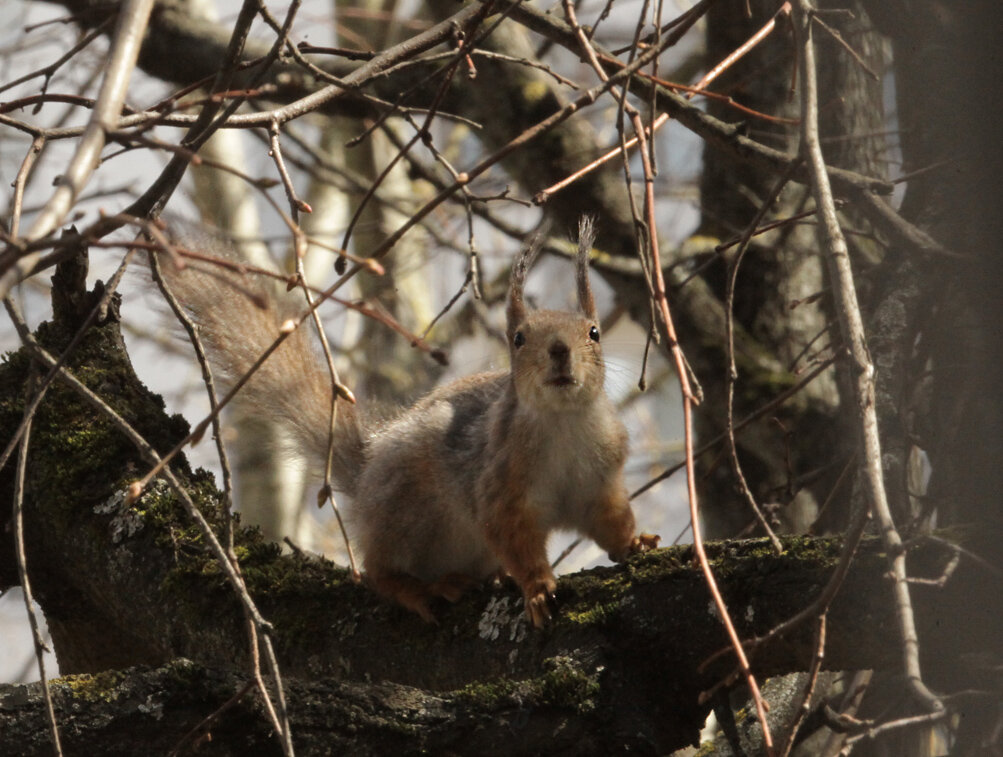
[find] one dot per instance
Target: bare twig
(586, 98)
(698, 88)
(835, 250)
(821, 604)
(689, 400)
(19, 182)
(418, 136)
(210, 386)
(731, 373)
(132, 20)
(275, 152)
(50, 69)
(22, 572)
(339, 390)
(853, 53)
(805, 708)
(892, 725)
(957, 549)
(751, 417)
(227, 487)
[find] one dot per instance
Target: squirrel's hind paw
(408, 591)
(452, 586)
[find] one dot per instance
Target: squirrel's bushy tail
(239, 317)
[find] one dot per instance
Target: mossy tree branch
(126, 585)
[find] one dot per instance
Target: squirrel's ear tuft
(516, 311)
(586, 237)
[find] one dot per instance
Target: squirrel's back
(414, 510)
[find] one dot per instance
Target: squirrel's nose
(559, 350)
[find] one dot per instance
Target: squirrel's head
(556, 358)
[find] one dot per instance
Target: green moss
(566, 685)
(727, 558)
(487, 695)
(100, 687)
(590, 615)
(562, 684)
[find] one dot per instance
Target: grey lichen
(502, 618)
(125, 520)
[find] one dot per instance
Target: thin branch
(805, 708)
(37, 145)
(875, 731)
(834, 33)
(751, 417)
(132, 20)
(691, 18)
(820, 605)
(731, 373)
(339, 390)
(586, 98)
(22, 572)
(426, 40)
(837, 256)
(210, 385)
(49, 70)
(728, 137)
(689, 400)
(450, 71)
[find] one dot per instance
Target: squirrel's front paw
(640, 543)
(644, 542)
(539, 598)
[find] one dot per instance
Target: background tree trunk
(791, 459)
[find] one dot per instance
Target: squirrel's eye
(594, 334)
(518, 339)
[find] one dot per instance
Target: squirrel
(468, 483)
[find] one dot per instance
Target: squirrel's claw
(540, 601)
(539, 609)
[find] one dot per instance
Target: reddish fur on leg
(613, 530)
(514, 535)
